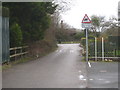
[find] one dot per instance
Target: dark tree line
(28, 21)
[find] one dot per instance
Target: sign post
(86, 45)
(0, 33)
(86, 23)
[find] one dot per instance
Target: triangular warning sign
(86, 19)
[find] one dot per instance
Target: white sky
(79, 8)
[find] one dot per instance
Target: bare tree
(62, 7)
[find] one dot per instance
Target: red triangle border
(88, 19)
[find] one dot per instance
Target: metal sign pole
(86, 45)
(86, 23)
(0, 32)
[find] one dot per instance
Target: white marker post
(102, 49)
(95, 49)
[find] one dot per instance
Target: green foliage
(61, 35)
(15, 35)
(91, 37)
(33, 18)
(83, 41)
(95, 21)
(79, 35)
(109, 48)
(113, 31)
(113, 39)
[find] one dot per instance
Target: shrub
(15, 35)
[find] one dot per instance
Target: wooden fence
(18, 51)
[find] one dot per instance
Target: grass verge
(12, 63)
(23, 60)
(106, 60)
(70, 42)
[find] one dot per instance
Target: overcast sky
(79, 8)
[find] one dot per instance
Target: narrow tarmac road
(60, 69)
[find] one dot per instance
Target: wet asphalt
(63, 68)
(103, 75)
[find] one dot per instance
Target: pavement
(63, 68)
(102, 75)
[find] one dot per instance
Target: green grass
(108, 54)
(70, 42)
(23, 60)
(105, 60)
(118, 52)
(96, 61)
(10, 64)
(5, 66)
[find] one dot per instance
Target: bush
(15, 35)
(79, 35)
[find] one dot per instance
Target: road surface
(103, 75)
(63, 68)
(60, 69)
